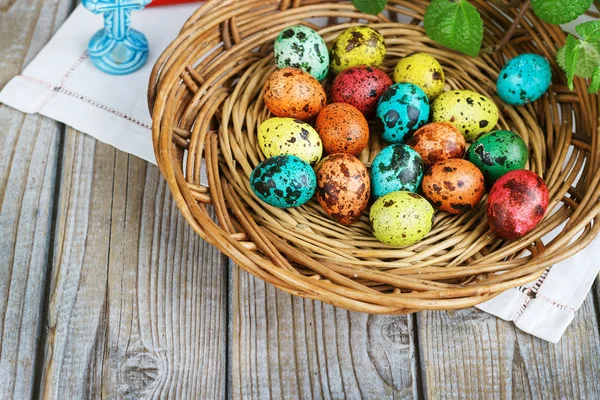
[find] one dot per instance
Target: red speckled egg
(516, 204)
(343, 187)
(292, 93)
(438, 141)
(455, 185)
(343, 129)
(360, 86)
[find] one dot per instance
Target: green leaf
(559, 11)
(588, 59)
(572, 51)
(373, 7)
(589, 31)
(595, 84)
(561, 59)
(455, 24)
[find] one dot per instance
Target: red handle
(156, 3)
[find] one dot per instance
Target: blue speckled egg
(396, 167)
(283, 181)
(301, 47)
(402, 109)
(524, 79)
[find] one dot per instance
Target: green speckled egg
(472, 113)
(283, 181)
(301, 47)
(357, 45)
(396, 167)
(401, 218)
(290, 136)
(497, 153)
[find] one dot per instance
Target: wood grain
(137, 306)
(474, 355)
(287, 347)
(29, 151)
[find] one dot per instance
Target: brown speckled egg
(360, 86)
(292, 93)
(454, 185)
(343, 129)
(438, 141)
(343, 187)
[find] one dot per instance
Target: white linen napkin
(61, 83)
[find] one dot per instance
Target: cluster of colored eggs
(427, 130)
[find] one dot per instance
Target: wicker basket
(206, 100)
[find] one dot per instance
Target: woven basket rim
(210, 108)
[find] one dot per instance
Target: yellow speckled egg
(472, 113)
(357, 45)
(401, 218)
(422, 70)
(290, 136)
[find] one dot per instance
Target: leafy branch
(457, 24)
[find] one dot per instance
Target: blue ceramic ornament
(117, 49)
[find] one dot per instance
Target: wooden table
(105, 291)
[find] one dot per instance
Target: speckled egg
(396, 167)
(402, 109)
(343, 187)
(360, 86)
(455, 185)
(343, 129)
(357, 45)
(472, 113)
(293, 93)
(301, 47)
(401, 218)
(422, 70)
(497, 153)
(516, 204)
(283, 181)
(290, 136)
(524, 79)
(438, 141)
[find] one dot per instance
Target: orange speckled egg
(438, 141)
(454, 185)
(293, 93)
(343, 187)
(343, 129)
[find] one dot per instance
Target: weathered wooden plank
(29, 151)
(474, 355)
(287, 347)
(137, 306)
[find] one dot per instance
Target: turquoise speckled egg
(301, 47)
(524, 79)
(401, 218)
(497, 153)
(402, 109)
(396, 167)
(283, 181)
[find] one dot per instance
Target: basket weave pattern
(205, 95)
